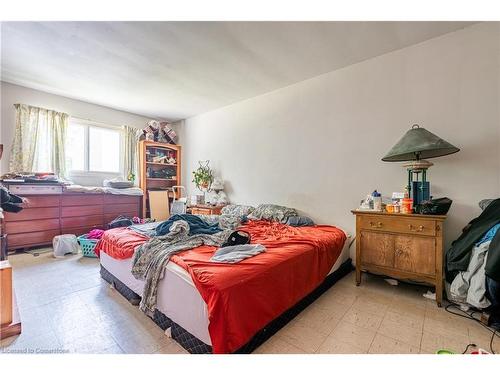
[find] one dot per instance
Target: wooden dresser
(402, 246)
(49, 215)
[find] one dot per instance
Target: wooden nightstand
(402, 246)
(205, 209)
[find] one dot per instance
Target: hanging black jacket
(458, 256)
(9, 202)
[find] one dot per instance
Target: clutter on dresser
(372, 202)
(159, 131)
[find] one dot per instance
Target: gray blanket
(236, 253)
(151, 257)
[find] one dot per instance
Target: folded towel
(236, 253)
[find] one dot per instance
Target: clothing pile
(473, 262)
(179, 233)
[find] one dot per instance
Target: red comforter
(243, 298)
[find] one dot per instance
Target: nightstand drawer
(397, 224)
(201, 211)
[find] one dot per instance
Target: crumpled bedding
(151, 257)
(243, 298)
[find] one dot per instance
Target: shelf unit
(158, 175)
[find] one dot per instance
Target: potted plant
(203, 176)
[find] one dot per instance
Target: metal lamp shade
(419, 143)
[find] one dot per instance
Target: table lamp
(417, 145)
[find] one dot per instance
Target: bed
(221, 308)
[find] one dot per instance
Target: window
(92, 148)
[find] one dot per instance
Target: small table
(402, 246)
(205, 209)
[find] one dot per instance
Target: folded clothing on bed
(236, 253)
(196, 225)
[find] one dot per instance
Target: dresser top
(363, 212)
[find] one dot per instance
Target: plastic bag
(65, 244)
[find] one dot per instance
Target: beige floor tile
(67, 305)
(171, 347)
(446, 327)
(276, 345)
(320, 319)
(362, 319)
(94, 343)
(407, 309)
(401, 332)
(386, 345)
(333, 346)
(353, 335)
(371, 305)
(431, 342)
(413, 321)
(302, 336)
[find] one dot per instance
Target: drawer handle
(376, 225)
(415, 229)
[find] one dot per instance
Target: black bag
(438, 206)
(237, 238)
(120, 221)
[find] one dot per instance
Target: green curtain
(130, 145)
(39, 139)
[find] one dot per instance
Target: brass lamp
(417, 145)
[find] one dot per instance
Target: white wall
(317, 145)
(11, 94)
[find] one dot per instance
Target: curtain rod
(103, 124)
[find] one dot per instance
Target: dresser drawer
(119, 209)
(31, 226)
(82, 221)
(35, 201)
(82, 200)
(201, 211)
(33, 238)
(115, 199)
(72, 211)
(399, 224)
(33, 214)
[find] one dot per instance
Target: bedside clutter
(402, 246)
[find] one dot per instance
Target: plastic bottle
(377, 201)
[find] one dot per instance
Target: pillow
(223, 221)
(299, 221)
(229, 222)
(272, 212)
(237, 210)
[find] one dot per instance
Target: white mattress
(178, 297)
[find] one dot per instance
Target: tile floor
(64, 305)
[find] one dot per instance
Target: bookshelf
(159, 169)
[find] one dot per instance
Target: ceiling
(175, 70)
